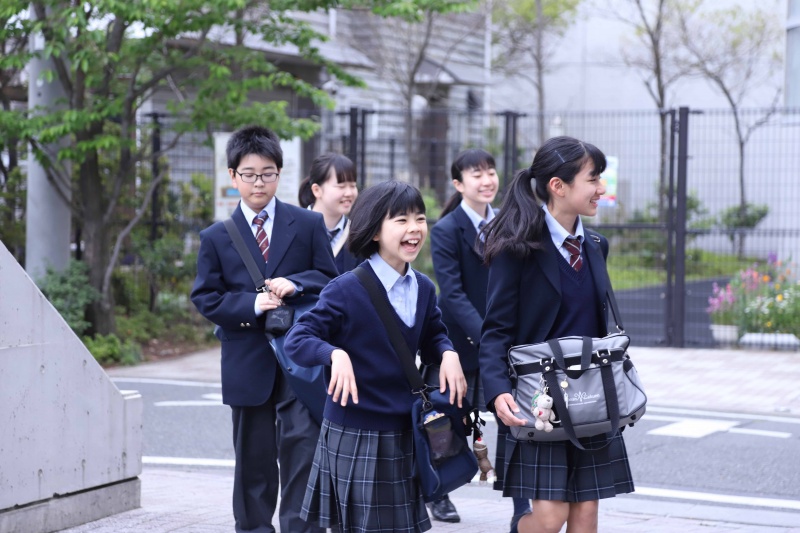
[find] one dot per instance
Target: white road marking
(749, 501)
(693, 428)
(761, 433)
(187, 461)
(179, 383)
(211, 399)
(188, 403)
(717, 414)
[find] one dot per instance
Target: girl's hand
(343, 380)
(281, 287)
(267, 301)
(450, 374)
(505, 407)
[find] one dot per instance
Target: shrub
(109, 349)
(70, 293)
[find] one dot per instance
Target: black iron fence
(698, 204)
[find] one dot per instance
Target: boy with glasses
(291, 246)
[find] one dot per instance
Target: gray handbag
(593, 383)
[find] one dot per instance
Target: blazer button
(248, 324)
(242, 324)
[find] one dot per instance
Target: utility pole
(48, 214)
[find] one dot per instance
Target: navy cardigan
(345, 318)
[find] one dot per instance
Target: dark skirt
(362, 481)
(559, 471)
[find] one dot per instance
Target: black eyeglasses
(250, 177)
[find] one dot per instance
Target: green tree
(526, 34)
(111, 56)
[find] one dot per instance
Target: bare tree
(412, 52)
(526, 33)
(738, 51)
(654, 50)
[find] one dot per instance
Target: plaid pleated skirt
(362, 481)
(559, 471)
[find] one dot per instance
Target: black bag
(309, 384)
(442, 458)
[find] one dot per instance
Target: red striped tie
(261, 235)
(573, 246)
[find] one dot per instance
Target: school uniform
(344, 259)
(531, 300)
(365, 452)
(264, 408)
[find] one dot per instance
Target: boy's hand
(267, 301)
(280, 287)
(343, 380)
(505, 407)
(450, 374)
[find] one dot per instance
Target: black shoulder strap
(395, 335)
(612, 303)
(249, 262)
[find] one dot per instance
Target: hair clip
(559, 156)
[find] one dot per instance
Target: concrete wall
(64, 426)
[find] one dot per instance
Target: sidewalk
(198, 499)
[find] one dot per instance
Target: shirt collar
(557, 231)
(340, 225)
(386, 274)
(250, 215)
(476, 218)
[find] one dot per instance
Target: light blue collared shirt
(476, 218)
(559, 234)
(402, 290)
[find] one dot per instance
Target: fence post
(509, 145)
(155, 212)
(391, 158)
(679, 316)
(352, 149)
(669, 303)
(362, 162)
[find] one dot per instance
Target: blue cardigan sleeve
(308, 342)
(434, 340)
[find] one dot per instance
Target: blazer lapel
(548, 260)
(598, 266)
(283, 233)
(468, 232)
(245, 228)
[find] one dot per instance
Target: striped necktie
(261, 234)
(332, 233)
(573, 246)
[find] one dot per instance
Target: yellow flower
(779, 297)
(765, 279)
(777, 286)
(769, 323)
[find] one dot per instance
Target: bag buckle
(426, 402)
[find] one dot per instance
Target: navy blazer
(462, 277)
(523, 301)
(345, 260)
(224, 292)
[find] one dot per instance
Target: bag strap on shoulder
(249, 262)
(381, 305)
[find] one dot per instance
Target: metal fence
(677, 177)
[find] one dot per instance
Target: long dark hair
(466, 160)
(520, 225)
(387, 199)
(321, 170)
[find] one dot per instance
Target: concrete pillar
(47, 238)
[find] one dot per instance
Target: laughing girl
(362, 477)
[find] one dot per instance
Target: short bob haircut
(377, 203)
(253, 140)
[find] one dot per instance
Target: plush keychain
(542, 409)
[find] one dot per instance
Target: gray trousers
(281, 430)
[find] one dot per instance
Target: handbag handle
(381, 305)
(558, 353)
(612, 405)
